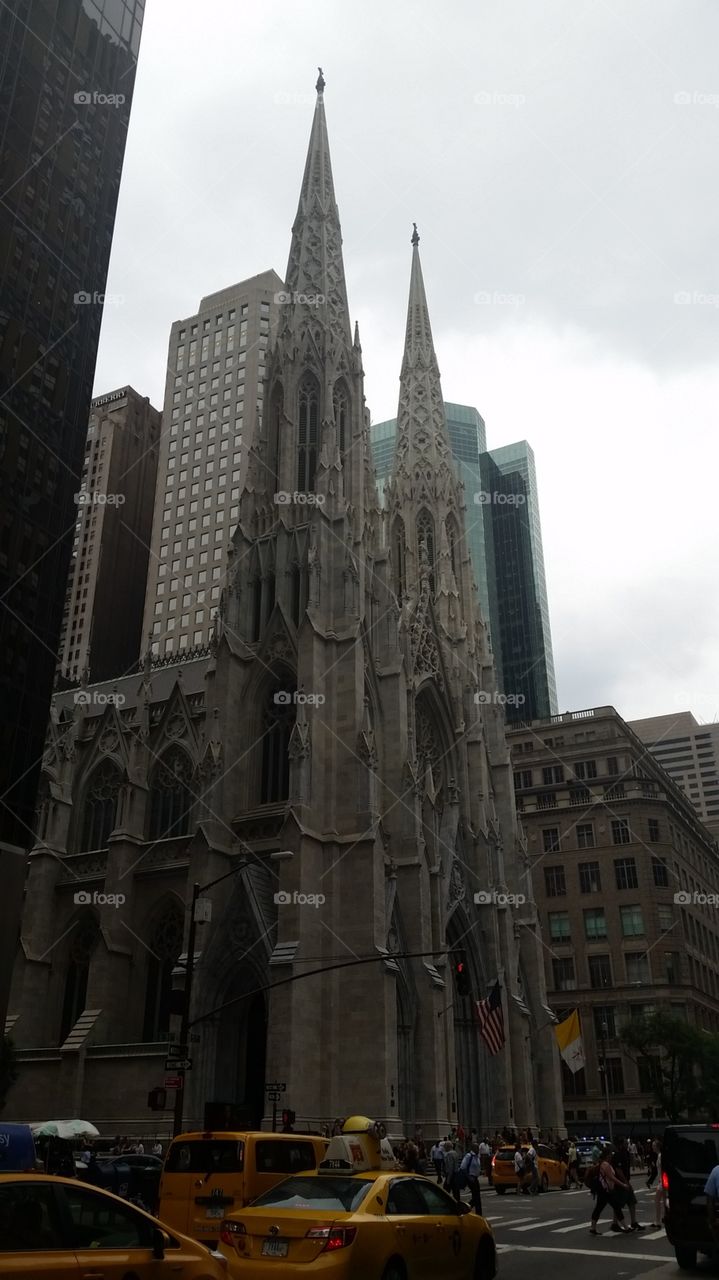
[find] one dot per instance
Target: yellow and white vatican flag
(569, 1039)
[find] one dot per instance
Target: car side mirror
(160, 1241)
(463, 1208)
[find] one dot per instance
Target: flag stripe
(491, 1020)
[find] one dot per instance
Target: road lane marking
(542, 1222)
(588, 1253)
(578, 1226)
(518, 1220)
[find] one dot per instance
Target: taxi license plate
(274, 1248)
(215, 1211)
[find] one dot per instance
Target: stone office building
(330, 756)
(622, 867)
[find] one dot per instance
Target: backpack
(527, 1164)
(591, 1178)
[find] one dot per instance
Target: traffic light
(157, 1099)
(461, 974)
(288, 1119)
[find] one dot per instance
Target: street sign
(178, 1064)
(173, 1082)
(276, 1087)
(177, 1050)
(274, 1096)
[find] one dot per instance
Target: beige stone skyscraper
(213, 398)
(102, 621)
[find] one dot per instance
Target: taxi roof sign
(358, 1152)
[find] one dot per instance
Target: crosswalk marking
(537, 1221)
(586, 1253)
(577, 1226)
(544, 1223)
(655, 1235)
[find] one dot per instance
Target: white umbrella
(65, 1129)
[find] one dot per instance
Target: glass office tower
(505, 541)
(66, 82)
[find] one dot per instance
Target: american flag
(491, 1019)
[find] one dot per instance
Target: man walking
(451, 1171)
(436, 1155)
(485, 1156)
(531, 1164)
(471, 1166)
(519, 1170)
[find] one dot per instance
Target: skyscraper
(689, 752)
(68, 68)
(213, 402)
(102, 622)
(504, 538)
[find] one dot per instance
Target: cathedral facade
(337, 761)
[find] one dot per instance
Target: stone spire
(422, 467)
(315, 279)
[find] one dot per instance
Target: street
(554, 1228)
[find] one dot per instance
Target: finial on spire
(320, 81)
(415, 235)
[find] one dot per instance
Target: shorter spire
(320, 82)
(415, 235)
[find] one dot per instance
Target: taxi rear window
(330, 1195)
(205, 1156)
(284, 1157)
(505, 1153)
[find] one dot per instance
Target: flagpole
(605, 1072)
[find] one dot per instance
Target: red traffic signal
(157, 1099)
(462, 980)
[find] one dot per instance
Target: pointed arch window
(82, 943)
(308, 434)
(100, 807)
(341, 411)
(298, 593)
(452, 542)
(256, 592)
(171, 798)
(398, 564)
(277, 723)
(425, 543)
(165, 948)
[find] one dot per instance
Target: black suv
(689, 1153)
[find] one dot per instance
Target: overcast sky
(561, 160)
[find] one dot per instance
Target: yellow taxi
(62, 1229)
(357, 1217)
(551, 1170)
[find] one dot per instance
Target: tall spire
(422, 453)
(315, 273)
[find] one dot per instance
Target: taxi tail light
(665, 1181)
(494, 1161)
(229, 1231)
(334, 1237)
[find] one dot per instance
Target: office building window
(595, 924)
(590, 880)
(563, 974)
(632, 922)
(559, 926)
(585, 835)
(600, 972)
(660, 873)
(637, 965)
(625, 871)
(550, 838)
(555, 884)
(620, 831)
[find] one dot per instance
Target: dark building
(66, 82)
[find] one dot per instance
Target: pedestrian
(157, 1149)
(437, 1157)
(451, 1171)
(602, 1181)
(485, 1156)
(531, 1166)
(411, 1158)
(520, 1170)
(652, 1163)
(621, 1163)
(572, 1163)
(471, 1166)
(660, 1195)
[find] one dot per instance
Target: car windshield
(693, 1153)
(338, 1195)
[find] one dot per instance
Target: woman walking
(660, 1195)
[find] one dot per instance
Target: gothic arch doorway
(240, 1055)
(467, 1047)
